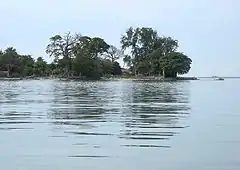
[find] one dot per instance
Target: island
(145, 54)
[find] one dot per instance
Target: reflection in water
(20, 105)
(139, 114)
(74, 120)
(154, 113)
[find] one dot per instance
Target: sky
(207, 30)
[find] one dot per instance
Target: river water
(120, 125)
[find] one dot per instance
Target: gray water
(120, 125)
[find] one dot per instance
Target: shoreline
(101, 79)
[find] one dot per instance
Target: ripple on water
(93, 119)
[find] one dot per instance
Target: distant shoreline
(221, 77)
(117, 78)
(102, 79)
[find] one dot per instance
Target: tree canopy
(21, 65)
(142, 50)
(153, 54)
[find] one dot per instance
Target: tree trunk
(8, 71)
(163, 73)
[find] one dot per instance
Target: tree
(116, 69)
(107, 66)
(10, 60)
(87, 60)
(169, 45)
(98, 46)
(26, 65)
(92, 57)
(113, 53)
(40, 67)
(127, 60)
(177, 63)
(63, 46)
(172, 63)
(150, 53)
(87, 67)
(144, 67)
(141, 42)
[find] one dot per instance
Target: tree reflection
(156, 111)
(75, 103)
(81, 103)
(144, 113)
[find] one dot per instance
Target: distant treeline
(92, 57)
(13, 64)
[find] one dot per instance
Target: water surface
(122, 125)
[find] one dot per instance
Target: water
(122, 125)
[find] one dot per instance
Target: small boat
(219, 78)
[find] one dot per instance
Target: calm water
(122, 125)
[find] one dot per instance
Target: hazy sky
(207, 30)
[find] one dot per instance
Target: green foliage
(127, 60)
(22, 65)
(26, 65)
(86, 61)
(172, 63)
(144, 67)
(152, 54)
(176, 62)
(113, 53)
(9, 60)
(40, 67)
(92, 57)
(107, 66)
(87, 67)
(98, 46)
(63, 47)
(116, 69)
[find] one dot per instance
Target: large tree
(171, 64)
(107, 67)
(148, 50)
(63, 46)
(80, 54)
(93, 47)
(114, 53)
(40, 67)
(140, 42)
(10, 60)
(87, 60)
(26, 65)
(88, 67)
(98, 46)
